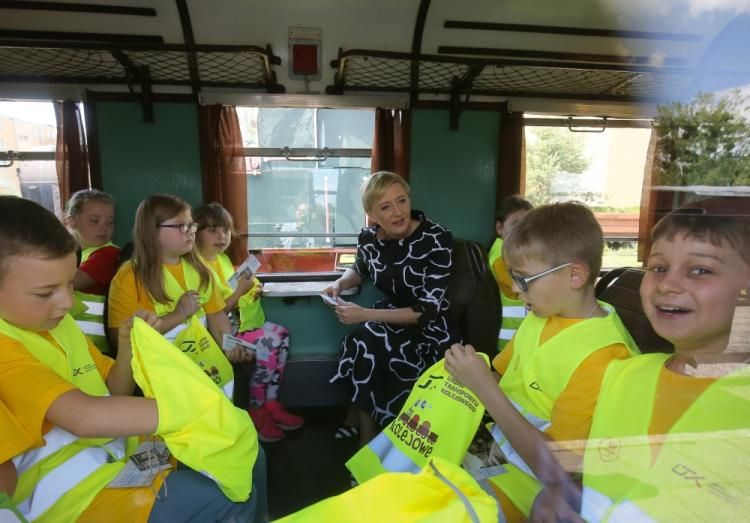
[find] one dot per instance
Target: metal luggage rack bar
(239, 66)
(386, 71)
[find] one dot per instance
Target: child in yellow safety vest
(551, 370)
(513, 310)
(69, 417)
(167, 276)
(215, 227)
(90, 216)
(669, 437)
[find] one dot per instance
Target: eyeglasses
(523, 282)
(184, 228)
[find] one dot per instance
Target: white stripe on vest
(514, 311)
(94, 308)
(506, 334)
(391, 457)
(91, 328)
(65, 476)
(507, 449)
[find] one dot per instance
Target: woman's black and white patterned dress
(383, 360)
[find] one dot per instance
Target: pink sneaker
(268, 432)
(281, 417)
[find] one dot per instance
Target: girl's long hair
(147, 257)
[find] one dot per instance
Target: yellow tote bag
(440, 493)
(198, 423)
(197, 343)
(439, 419)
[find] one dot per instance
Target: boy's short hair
(377, 185)
(211, 215)
(712, 220)
(557, 233)
(28, 229)
(511, 204)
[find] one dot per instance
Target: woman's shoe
(346, 432)
(267, 430)
(281, 417)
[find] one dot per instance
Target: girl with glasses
(166, 275)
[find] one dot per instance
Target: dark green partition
(454, 173)
(139, 159)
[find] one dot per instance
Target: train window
(28, 136)
(305, 171)
(594, 160)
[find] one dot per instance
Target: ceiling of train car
(619, 37)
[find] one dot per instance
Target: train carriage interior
(470, 101)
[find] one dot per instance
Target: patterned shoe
(268, 431)
(281, 417)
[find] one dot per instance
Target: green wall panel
(140, 159)
(454, 173)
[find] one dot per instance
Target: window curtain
(71, 152)
(223, 169)
(390, 145)
(511, 164)
(654, 203)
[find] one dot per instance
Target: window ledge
(288, 289)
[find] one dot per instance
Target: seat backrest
(474, 298)
(621, 289)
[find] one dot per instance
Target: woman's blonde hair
(377, 185)
(147, 258)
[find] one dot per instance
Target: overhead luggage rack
(385, 71)
(196, 66)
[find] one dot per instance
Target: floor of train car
(308, 464)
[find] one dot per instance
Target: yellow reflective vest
(702, 469)
(251, 312)
(198, 423)
(535, 378)
(513, 311)
(192, 337)
(58, 481)
(440, 493)
(89, 309)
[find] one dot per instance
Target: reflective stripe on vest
(57, 481)
(439, 418)
(89, 311)
(535, 378)
(512, 311)
(700, 471)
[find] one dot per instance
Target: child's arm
(82, 280)
(103, 416)
(463, 363)
(8, 477)
(218, 325)
(120, 379)
(244, 284)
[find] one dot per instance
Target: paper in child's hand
(249, 267)
(229, 343)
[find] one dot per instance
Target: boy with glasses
(551, 370)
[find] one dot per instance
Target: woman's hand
(333, 290)
(468, 368)
(550, 506)
(351, 313)
(188, 304)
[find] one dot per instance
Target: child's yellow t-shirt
(503, 279)
(126, 296)
(28, 387)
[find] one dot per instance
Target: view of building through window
(305, 172)
(29, 127)
(602, 167)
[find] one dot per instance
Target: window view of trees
(705, 141)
